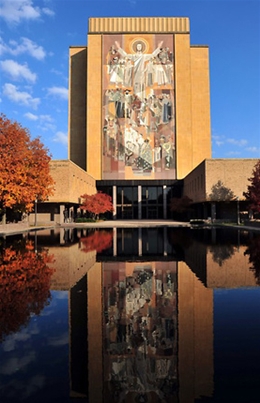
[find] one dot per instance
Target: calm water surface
(130, 315)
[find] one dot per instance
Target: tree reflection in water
(24, 285)
(253, 250)
(220, 253)
(98, 241)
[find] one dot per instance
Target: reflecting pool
(130, 315)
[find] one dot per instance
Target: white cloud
(11, 341)
(17, 71)
(46, 118)
(216, 137)
(61, 137)
(234, 153)
(219, 143)
(3, 47)
(60, 92)
(32, 386)
(10, 366)
(221, 140)
(47, 127)
(43, 118)
(26, 46)
(240, 143)
(61, 340)
(20, 97)
(57, 72)
(253, 150)
(48, 11)
(15, 11)
(31, 116)
(60, 294)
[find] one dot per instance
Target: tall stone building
(139, 126)
(139, 110)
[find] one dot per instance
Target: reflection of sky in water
(34, 361)
(236, 339)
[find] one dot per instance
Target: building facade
(139, 126)
(139, 110)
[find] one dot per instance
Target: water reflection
(144, 310)
(253, 251)
(140, 320)
(25, 278)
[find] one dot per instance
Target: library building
(139, 123)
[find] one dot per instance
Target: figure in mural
(128, 103)
(115, 66)
(167, 152)
(110, 134)
(146, 155)
(139, 60)
(166, 108)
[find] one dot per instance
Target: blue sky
(34, 45)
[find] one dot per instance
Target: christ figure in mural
(139, 60)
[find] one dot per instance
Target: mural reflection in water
(140, 328)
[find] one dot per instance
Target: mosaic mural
(138, 107)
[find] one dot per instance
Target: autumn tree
(180, 204)
(253, 190)
(24, 168)
(96, 204)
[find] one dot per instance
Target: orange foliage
(24, 286)
(24, 167)
(98, 203)
(98, 241)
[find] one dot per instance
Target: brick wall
(233, 173)
(70, 182)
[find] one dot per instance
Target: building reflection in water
(141, 310)
(150, 334)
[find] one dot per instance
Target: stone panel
(77, 105)
(183, 105)
(195, 323)
(200, 105)
(94, 106)
(137, 24)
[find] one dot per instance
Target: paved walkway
(11, 229)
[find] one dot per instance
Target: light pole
(35, 212)
(238, 212)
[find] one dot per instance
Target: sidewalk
(19, 228)
(12, 229)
